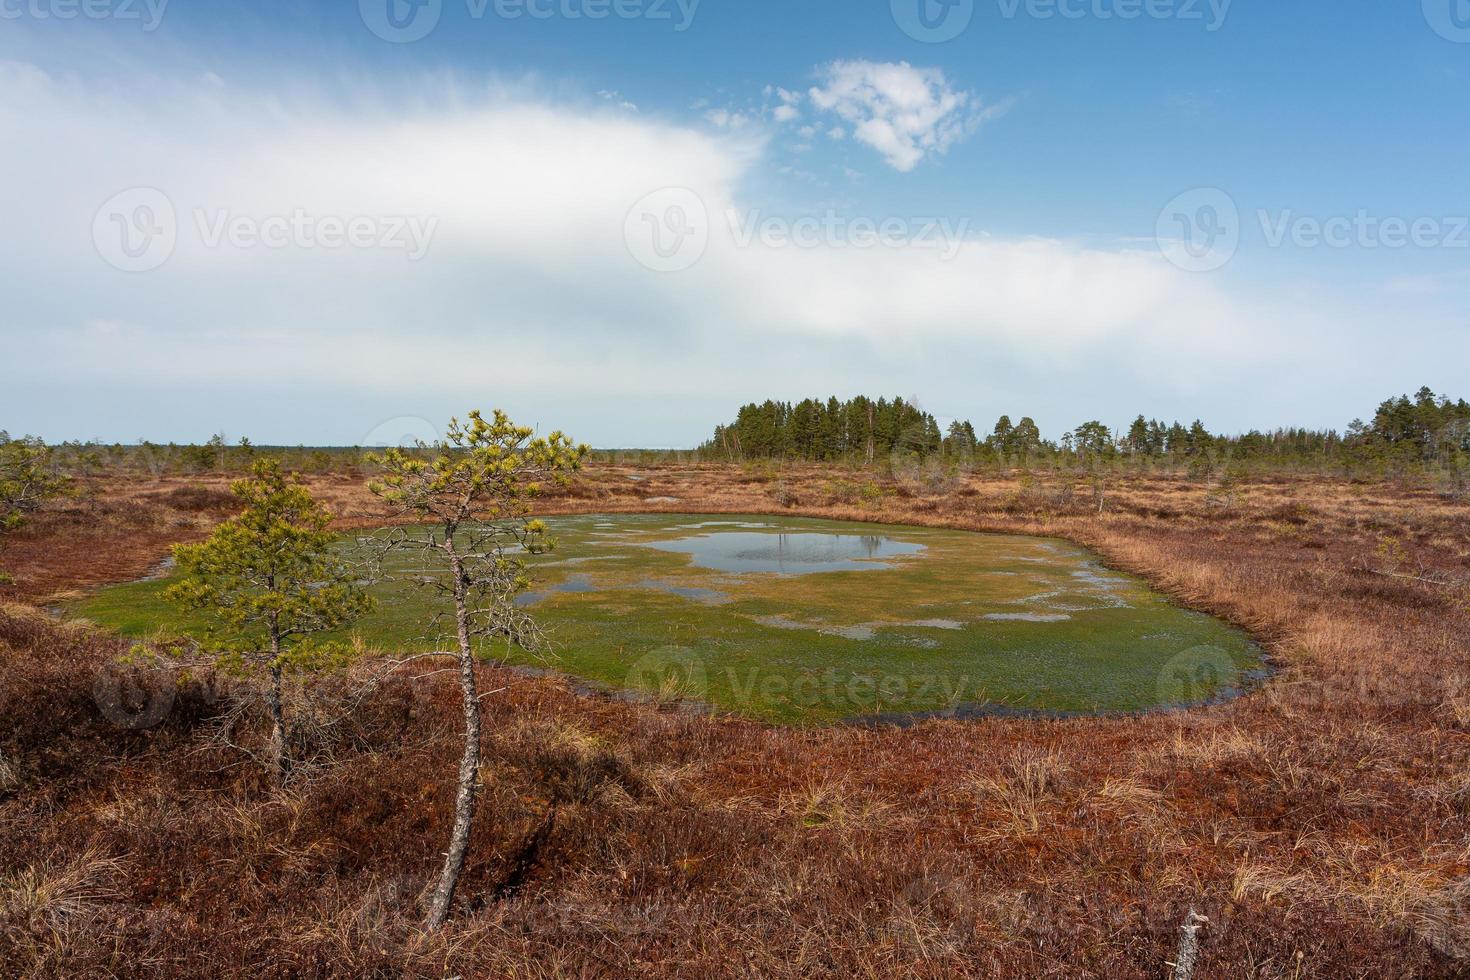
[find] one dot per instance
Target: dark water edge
(1251, 682)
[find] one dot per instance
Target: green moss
(1014, 621)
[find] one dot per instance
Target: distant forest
(1424, 429)
(1423, 434)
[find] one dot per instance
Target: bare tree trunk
(278, 715)
(469, 764)
(1188, 955)
(871, 435)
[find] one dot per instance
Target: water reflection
(787, 554)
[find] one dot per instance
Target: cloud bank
(529, 294)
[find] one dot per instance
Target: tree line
(1406, 434)
(1425, 429)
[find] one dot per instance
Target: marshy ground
(804, 620)
(1322, 822)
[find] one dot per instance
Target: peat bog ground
(1320, 823)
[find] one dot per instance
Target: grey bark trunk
(469, 764)
(1188, 955)
(278, 715)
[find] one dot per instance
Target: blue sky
(1041, 167)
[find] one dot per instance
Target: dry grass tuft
(48, 899)
(1443, 920)
(9, 776)
(1028, 782)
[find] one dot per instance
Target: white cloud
(785, 113)
(726, 119)
(531, 286)
(903, 112)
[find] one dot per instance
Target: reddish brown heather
(1320, 823)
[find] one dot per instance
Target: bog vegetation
(491, 822)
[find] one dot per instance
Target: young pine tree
(475, 493)
(269, 584)
(28, 478)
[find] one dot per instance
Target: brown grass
(1321, 823)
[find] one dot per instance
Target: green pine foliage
(270, 581)
(28, 478)
(1425, 435)
(269, 584)
(829, 430)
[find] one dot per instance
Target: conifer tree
(269, 583)
(475, 491)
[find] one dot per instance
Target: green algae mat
(809, 621)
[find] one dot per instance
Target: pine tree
(28, 478)
(269, 583)
(475, 492)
